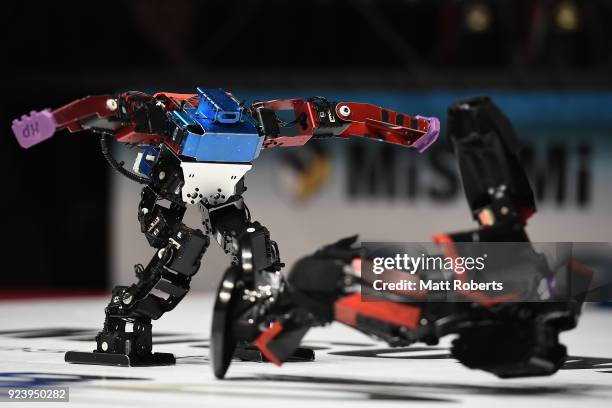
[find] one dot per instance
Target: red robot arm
(130, 117)
(136, 117)
(318, 118)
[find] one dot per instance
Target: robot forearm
(132, 117)
(319, 118)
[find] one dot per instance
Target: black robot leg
(125, 339)
(250, 246)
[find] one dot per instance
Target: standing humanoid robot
(196, 149)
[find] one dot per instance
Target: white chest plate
(211, 182)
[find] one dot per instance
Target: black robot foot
(246, 352)
(512, 350)
(121, 360)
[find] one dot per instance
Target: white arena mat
(350, 368)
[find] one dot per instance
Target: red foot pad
(265, 338)
(279, 343)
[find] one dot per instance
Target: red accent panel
(526, 213)
(441, 239)
(368, 121)
(581, 268)
(175, 96)
(173, 101)
(347, 309)
(68, 116)
(128, 135)
(356, 265)
(264, 338)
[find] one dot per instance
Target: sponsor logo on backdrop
(559, 173)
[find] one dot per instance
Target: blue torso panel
(217, 130)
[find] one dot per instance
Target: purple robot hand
(34, 128)
(432, 134)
